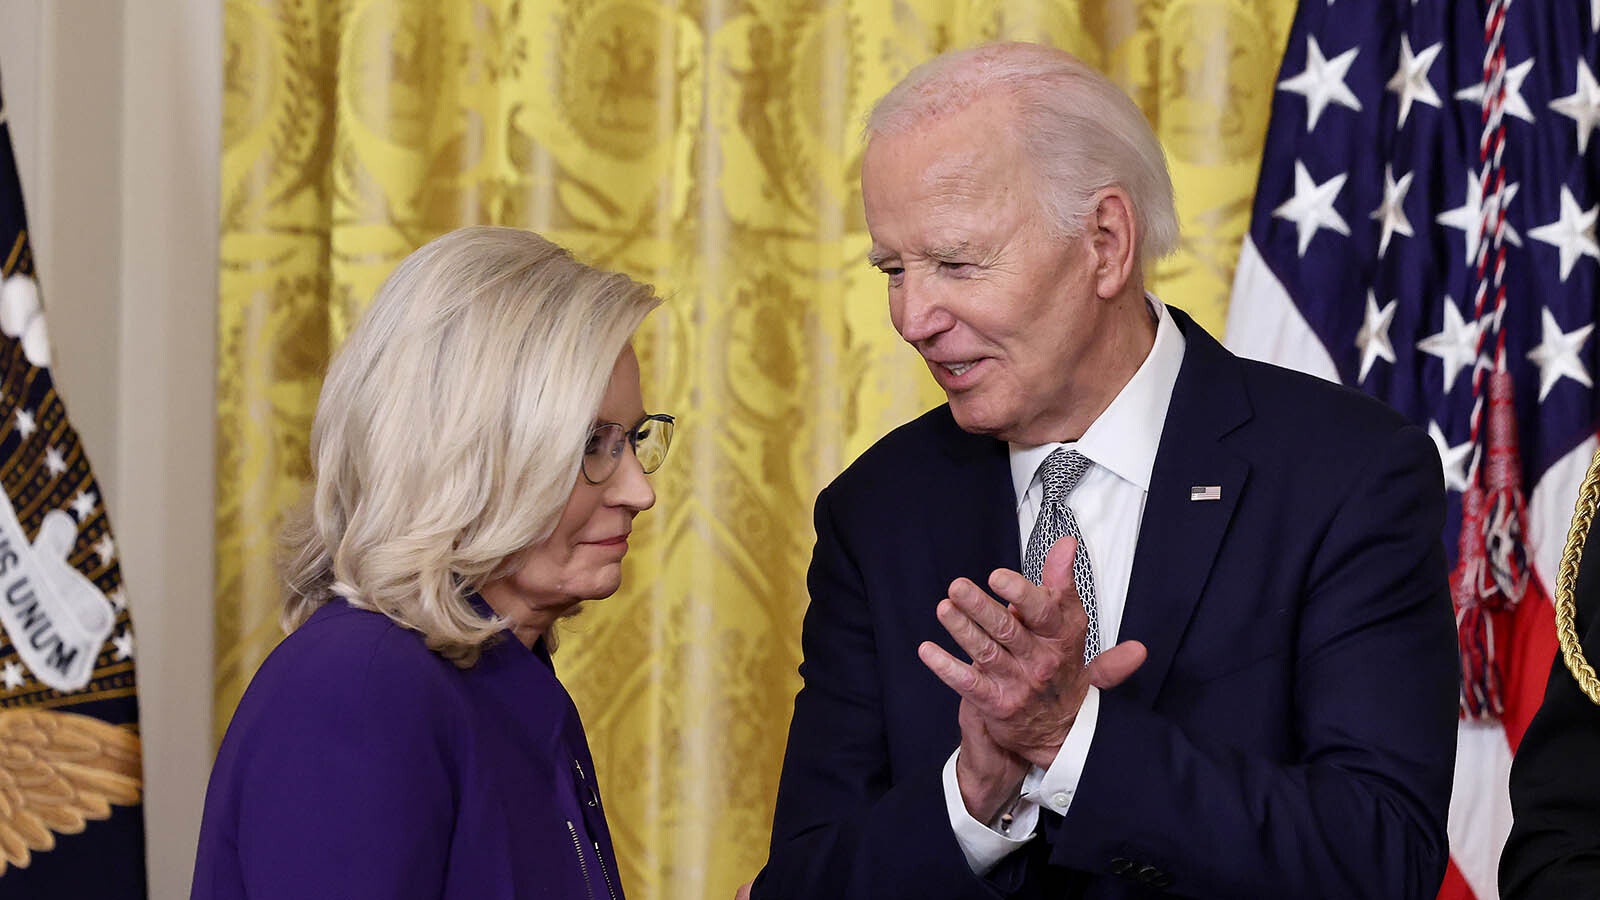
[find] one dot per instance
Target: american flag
(1424, 228)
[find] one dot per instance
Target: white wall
(115, 108)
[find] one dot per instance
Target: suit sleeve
(1357, 806)
(353, 795)
(844, 828)
(1554, 848)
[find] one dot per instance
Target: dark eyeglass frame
(632, 436)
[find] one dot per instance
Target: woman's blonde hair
(450, 429)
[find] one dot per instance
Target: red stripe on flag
(1455, 887)
(1526, 650)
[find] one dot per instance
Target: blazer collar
(1183, 528)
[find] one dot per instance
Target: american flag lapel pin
(1205, 492)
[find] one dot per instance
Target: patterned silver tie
(1060, 473)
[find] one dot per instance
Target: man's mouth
(958, 369)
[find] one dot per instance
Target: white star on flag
(12, 675)
(1456, 343)
(1410, 80)
(1391, 212)
(1515, 104)
(26, 426)
(1572, 233)
(1454, 458)
(1373, 338)
(1582, 106)
(55, 462)
(1311, 207)
(124, 644)
(105, 548)
(1468, 215)
(1557, 355)
(83, 505)
(1322, 82)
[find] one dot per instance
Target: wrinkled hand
(988, 775)
(1027, 678)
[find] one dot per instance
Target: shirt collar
(1124, 438)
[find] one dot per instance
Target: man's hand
(1027, 678)
(988, 775)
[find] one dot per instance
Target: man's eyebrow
(950, 251)
(877, 258)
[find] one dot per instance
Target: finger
(982, 649)
(1058, 565)
(1062, 587)
(956, 675)
(1114, 666)
(989, 615)
(1033, 605)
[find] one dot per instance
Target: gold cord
(1566, 580)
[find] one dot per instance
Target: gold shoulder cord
(1567, 578)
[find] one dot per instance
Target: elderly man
(1257, 552)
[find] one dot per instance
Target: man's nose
(918, 311)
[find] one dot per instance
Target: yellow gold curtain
(713, 149)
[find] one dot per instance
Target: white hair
(451, 427)
(1082, 132)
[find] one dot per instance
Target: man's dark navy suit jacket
(1292, 734)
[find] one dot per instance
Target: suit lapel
(1179, 537)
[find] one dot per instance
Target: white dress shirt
(1109, 505)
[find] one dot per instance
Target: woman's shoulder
(349, 660)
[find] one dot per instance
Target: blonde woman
(480, 449)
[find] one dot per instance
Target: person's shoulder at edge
(1326, 425)
(932, 435)
(1294, 396)
(345, 658)
(1282, 395)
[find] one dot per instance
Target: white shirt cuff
(983, 846)
(1060, 782)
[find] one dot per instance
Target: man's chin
(976, 425)
(975, 420)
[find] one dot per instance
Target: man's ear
(1115, 239)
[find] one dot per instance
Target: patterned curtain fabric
(714, 150)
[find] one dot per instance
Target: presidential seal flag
(1424, 229)
(71, 824)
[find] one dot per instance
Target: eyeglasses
(650, 438)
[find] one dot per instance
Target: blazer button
(1148, 874)
(1120, 866)
(1162, 880)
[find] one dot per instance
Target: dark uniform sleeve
(1554, 848)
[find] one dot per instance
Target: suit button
(1161, 880)
(1120, 866)
(1148, 874)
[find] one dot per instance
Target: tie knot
(1061, 472)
